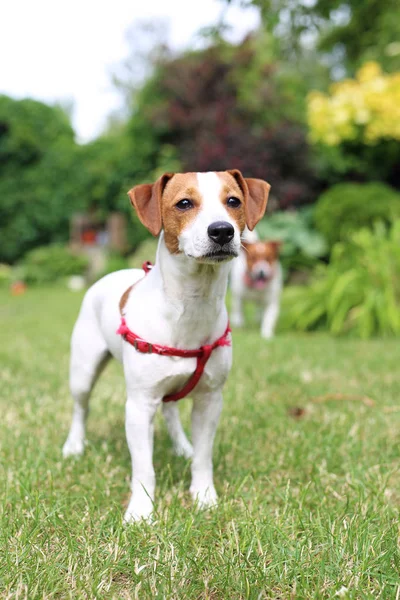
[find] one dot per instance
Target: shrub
(302, 245)
(366, 108)
(47, 264)
(346, 207)
(356, 127)
(358, 292)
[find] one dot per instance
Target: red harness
(202, 354)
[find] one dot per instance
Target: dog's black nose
(220, 232)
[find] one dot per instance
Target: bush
(302, 245)
(50, 263)
(358, 292)
(356, 127)
(365, 109)
(346, 207)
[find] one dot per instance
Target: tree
(36, 154)
(45, 177)
(226, 107)
(346, 33)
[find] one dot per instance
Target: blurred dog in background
(257, 276)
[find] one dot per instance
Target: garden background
(309, 453)
(310, 102)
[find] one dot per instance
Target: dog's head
(261, 258)
(202, 214)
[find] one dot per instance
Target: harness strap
(194, 379)
(202, 354)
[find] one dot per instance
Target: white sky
(65, 50)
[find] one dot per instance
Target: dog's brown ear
(276, 246)
(146, 199)
(255, 193)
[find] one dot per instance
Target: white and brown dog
(257, 276)
(175, 323)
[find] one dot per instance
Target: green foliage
(378, 41)
(269, 89)
(27, 129)
(302, 245)
(335, 29)
(45, 177)
(103, 173)
(347, 207)
(357, 161)
(358, 292)
(5, 275)
(36, 159)
(48, 264)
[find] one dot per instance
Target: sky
(66, 50)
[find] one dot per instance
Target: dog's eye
(184, 204)
(233, 202)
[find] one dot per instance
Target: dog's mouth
(217, 256)
(259, 284)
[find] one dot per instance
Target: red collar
(202, 354)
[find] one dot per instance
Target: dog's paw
(184, 449)
(139, 511)
(267, 335)
(204, 497)
(73, 447)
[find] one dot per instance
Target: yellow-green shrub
(366, 109)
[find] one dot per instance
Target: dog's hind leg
(89, 355)
(181, 445)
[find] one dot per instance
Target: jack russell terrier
(257, 276)
(170, 327)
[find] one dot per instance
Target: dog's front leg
(269, 320)
(205, 416)
(140, 411)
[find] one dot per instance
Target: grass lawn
(306, 461)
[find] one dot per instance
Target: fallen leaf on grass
(297, 412)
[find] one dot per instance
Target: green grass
(308, 505)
